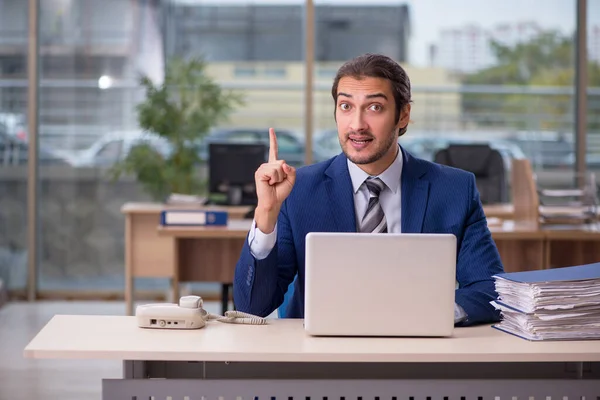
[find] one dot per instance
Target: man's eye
(344, 107)
(375, 107)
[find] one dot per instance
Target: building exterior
(468, 48)
(594, 43)
(92, 53)
(261, 32)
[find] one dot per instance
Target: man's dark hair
(377, 66)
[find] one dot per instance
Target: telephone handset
(188, 314)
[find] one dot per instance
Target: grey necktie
(374, 218)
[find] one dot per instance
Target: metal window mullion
(309, 58)
(581, 82)
(32, 155)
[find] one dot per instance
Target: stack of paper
(553, 304)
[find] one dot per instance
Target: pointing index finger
(272, 145)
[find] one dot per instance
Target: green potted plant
(179, 112)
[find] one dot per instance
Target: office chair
(484, 162)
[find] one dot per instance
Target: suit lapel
(414, 187)
(340, 193)
(415, 192)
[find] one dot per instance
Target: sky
(429, 17)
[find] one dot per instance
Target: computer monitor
(231, 170)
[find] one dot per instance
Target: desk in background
(149, 255)
(209, 254)
(506, 211)
(572, 245)
(522, 245)
(280, 360)
(525, 246)
(206, 254)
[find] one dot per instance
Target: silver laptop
(389, 284)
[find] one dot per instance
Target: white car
(114, 147)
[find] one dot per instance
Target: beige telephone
(188, 314)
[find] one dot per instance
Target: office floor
(27, 379)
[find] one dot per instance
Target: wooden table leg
(547, 248)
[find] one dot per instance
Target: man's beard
(381, 151)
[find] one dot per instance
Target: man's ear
(404, 117)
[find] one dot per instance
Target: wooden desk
(521, 245)
(210, 253)
(235, 212)
(206, 254)
(524, 247)
(149, 255)
(501, 211)
(281, 360)
(235, 229)
(572, 245)
(507, 211)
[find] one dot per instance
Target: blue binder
(587, 272)
(193, 218)
(565, 274)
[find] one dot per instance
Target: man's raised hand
(274, 182)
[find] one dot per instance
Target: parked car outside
(114, 147)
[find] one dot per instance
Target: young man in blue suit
(372, 186)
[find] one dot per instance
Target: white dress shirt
(389, 198)
(261, 244)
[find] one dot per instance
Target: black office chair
(483, 161)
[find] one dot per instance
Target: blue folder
(213, 218)
(565, 274)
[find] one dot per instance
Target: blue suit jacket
(435, 199)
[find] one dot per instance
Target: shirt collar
(391, 176)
